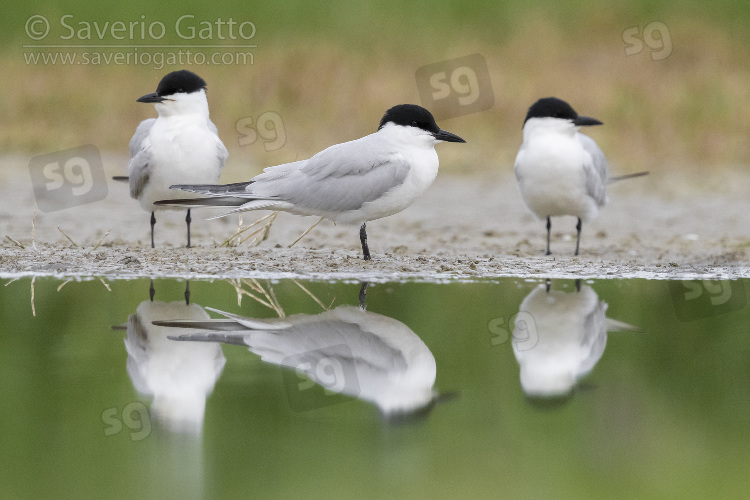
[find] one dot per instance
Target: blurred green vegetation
(663, 414)
(330, 71)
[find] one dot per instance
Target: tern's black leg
(153, 223)
(363, 295)
(151, 291)
(549, 228)
(578, 238)
(363, 239)
(578, 285)
(548, 284)
(187, 292)
(188, 220)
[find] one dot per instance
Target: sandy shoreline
(665, 226)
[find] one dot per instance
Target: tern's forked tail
(237, 188)
(626, 176)
(218, 195)
(218, 201)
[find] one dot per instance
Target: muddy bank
(662, 226)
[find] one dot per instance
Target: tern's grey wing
(139, 168)
(327, 338)
(222, 152)
(136, 346)
(340, 178)
(139, 171)
(596, 172)
(140, 134)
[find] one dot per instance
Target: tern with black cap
(561, 171)
(350, 183)
(182, 145)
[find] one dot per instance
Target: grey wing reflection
(179, 376)
(346, 350)
(558, 339)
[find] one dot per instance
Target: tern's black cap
(182, 81)
(411, 115)
(552, 107)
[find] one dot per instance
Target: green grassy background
(330, 71)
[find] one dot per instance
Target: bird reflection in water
(558, 339)
(178, 376)
(346, 350)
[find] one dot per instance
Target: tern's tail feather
(219, 325)
(613, 326)
(220, 195)
(626, 176)
(226, 338)
(224, 201)
(230, 322)
(238, 188)
(227, 331)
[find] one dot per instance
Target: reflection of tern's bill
(179, 376)
(394, 369)
(567, 334)
(351, 183)
(559, 170)
(182, 145)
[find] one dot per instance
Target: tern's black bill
(153, 97)
(586, 121)
(442, 135)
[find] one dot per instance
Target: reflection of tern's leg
(548, 284)
(549, 228)
(363, 295)
(187, 292)
(188, 220)
(578, 239)
(578, 285)
(151, 291)
(363, 239)
(153, 223)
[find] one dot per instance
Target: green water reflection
(662, 410)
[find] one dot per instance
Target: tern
(182, 145)
(561, 171)
(559, 337)
(346, 350)
(179, 377)
(375, 176)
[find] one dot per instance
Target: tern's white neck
(545, 126)
(182, 104)
(408, 136)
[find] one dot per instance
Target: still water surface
(502, 388)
